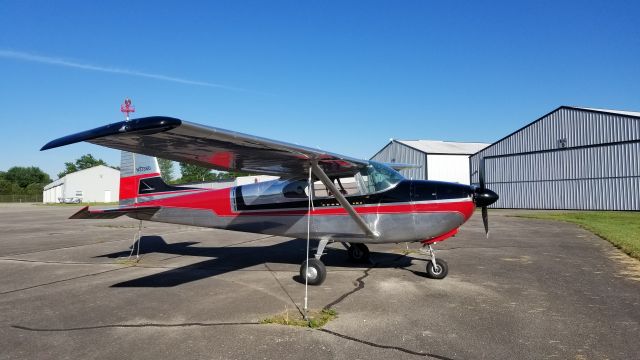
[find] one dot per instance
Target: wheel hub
(312, 273)
(437, 269)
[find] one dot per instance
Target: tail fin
(134, 168)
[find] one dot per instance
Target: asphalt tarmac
(535, 290)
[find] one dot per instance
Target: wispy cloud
(19, 55)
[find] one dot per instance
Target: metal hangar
(437, 160)
(570, 158)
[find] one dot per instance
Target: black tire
(358, 253)
(317, 271)
(440, 272)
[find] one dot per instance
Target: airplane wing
(211, 147)
(402, 166)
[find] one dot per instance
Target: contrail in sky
(18, 55)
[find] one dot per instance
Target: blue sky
(344, 76)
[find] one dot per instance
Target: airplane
(319, 195)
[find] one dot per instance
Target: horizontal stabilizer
(85, 213)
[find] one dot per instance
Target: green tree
(6, 187)
(227, 175)
(166, 169)
(23, 176)
(34, 189)
(83, 162)
(194, 173)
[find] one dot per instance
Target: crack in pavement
(284, 290)
(59, 281)
(66, 247)
(143, 325)
(360, 286)
(218, 324)
(99, 242)
(360, 282)
(351, 338)
(55, 262)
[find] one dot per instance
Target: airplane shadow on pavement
(226, 259)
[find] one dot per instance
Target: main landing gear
(358, 252)
(314, 268)
(436, 268)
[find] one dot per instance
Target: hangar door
(603, 177)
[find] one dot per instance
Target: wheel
(440, 271)
(316, 272)
(358, 253)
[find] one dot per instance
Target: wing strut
(342, 200)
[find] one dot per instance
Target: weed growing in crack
(316, 319)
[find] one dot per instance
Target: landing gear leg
(436, 268)
(313, 269)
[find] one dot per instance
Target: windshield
(376, 177)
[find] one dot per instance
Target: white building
(437, 160)
(97, 184)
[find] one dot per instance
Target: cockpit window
(376, 177)
(373, 178)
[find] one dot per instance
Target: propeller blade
(485, 220)
(481, 173)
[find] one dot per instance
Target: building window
(562, 143)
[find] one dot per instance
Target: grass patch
(316, 319)
(621, 228)
(127, 261)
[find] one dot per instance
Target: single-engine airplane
(377, 205)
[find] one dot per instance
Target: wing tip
(158, 123)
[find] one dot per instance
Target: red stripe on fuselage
(219, 201)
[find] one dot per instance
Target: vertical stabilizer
(133, 168)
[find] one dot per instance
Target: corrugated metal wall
(598, 170)
(399, 153)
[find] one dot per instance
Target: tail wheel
(358, 253)
(315, 273)
(439, 271)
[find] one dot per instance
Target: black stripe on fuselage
(405, 191)
(156, 184)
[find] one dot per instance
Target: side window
(347, 186)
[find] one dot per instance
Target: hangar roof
(444, 147)
(613, 125)
(619, 112)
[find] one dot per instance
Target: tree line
(193, 173)
(20, 180)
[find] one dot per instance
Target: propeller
(484, 197)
